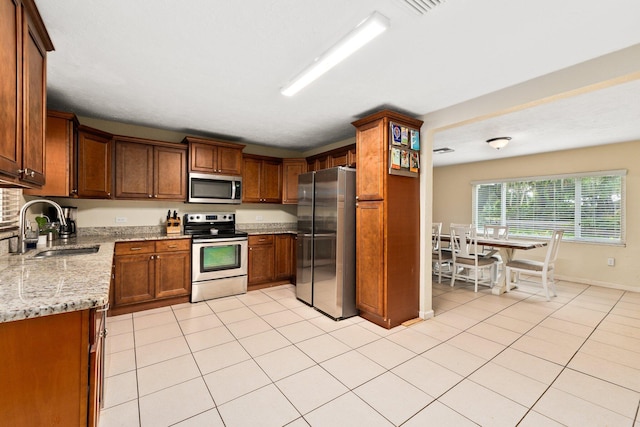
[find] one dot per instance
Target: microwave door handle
(233, 190)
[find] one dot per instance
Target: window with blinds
(589, 207)
(10, 202)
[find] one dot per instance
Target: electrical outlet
(611, 262)
(259, 218)
(120, 219)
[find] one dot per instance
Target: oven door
(218, 258)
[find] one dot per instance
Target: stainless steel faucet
(22, 244)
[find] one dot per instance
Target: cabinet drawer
(173, 245)
(262, 239)
(131, 248)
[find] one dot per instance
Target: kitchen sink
(67, 252)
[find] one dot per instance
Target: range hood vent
(421, 7)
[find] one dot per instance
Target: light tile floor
(266, 359)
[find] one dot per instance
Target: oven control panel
(209, 217)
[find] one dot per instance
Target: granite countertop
(34, 287)
(258, 231)
(269, 228)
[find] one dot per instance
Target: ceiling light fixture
(365, 31)
(499, 142)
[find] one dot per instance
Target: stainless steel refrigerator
(326, 252)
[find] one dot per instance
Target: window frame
(576, 232)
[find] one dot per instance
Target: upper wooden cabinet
(342, 156)
(60, 152)
(261, 179)
(213, 156)
(147, 169)
(24, 43)
(291, 168)
(95, 163)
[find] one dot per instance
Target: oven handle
(229, 239)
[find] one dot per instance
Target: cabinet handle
(173, 246)
(27, 172)
(157, 256)
(135, 249)
(104, 308)
(155, 195)
(150, 195)
(151, 257)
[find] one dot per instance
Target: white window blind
(10, 202)
(589, 207)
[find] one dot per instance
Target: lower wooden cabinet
(149, 274)
(51, 370)
(271, 260)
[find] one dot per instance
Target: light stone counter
(33, 287)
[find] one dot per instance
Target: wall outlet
(611, 262)
(259, 218)
(120, 219)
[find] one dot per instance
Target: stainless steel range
(219, 255)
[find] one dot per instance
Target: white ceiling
(215, 68)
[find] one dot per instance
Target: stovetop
(212, 225)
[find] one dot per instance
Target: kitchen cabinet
(147, 169)
(149, 274)
(214, 156)
(60, 165)
(271, 260)
(283, 256)
(261, 259)
(387, 226)
(95, 163)
(23, 61)
(261, 179)
(341, 156)
(51, 369)
(291, 168)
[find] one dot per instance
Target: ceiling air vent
(443, 150)
(421, 6)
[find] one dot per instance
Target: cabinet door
(283, 260)
(291, 168)
(271, 188)
(60, 140)
(134, 279)
(371, 160)
(10, 89)
(170, 173)
(203, 157)
(173, 274)
(370, 247)
(34, 58)
(251, 177)
(229, 160)
(134, 170)
(94, 165)
(261, 259)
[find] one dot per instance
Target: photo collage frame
(404, 150)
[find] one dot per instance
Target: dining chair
(544, 269)
(439, 258)
(467, 259)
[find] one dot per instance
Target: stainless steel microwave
(209, 188)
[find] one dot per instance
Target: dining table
(505, 248)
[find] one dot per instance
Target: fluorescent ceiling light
(367, 30)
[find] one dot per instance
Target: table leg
(500, 286)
